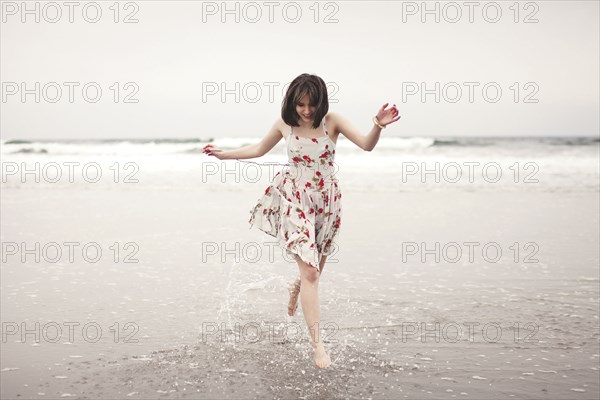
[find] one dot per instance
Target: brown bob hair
(315, 88)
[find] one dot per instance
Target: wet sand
(373, 302)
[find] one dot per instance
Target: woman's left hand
(386, 117)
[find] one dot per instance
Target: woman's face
(305, 110)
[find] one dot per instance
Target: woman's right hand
(213, 150)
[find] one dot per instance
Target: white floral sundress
(302, 205)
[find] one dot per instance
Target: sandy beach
(522, 325)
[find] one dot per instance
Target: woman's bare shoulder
(333, 117)
(282, 126)
(332, 120)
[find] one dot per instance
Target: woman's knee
(311, 274)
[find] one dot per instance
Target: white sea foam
(396, 164)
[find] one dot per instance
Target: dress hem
(284, 244)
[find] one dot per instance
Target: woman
(302, 206)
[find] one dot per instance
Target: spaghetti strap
(324, 130)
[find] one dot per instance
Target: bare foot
(294, 289)
(322, 359)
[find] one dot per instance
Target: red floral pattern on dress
(302, 206)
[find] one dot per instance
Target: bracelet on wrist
(376, 122)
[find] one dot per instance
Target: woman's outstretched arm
(251, 151)
(368, 142)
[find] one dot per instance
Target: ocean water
(548, 164)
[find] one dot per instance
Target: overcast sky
(369, 53)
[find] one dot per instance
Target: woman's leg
(309, 297)
(294, 290)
